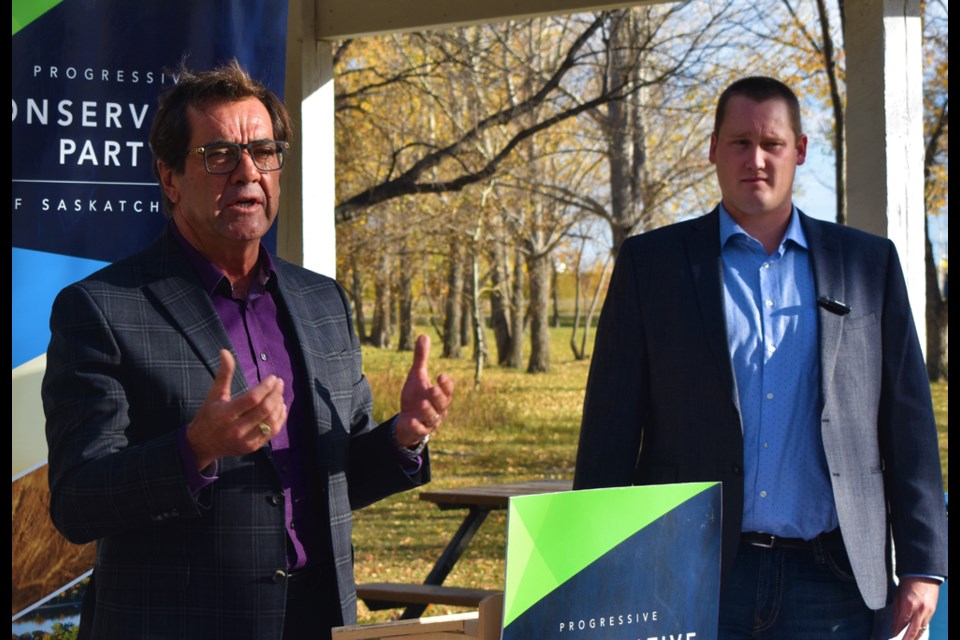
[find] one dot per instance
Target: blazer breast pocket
(337, 369)
(337, 373)
(854, 323)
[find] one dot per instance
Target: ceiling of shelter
(339, 19)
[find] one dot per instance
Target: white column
(306, 233)
(885, 133)
(319, 189)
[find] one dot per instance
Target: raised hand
(423, 405)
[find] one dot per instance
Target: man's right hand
(227, 426)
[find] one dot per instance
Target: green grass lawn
(512, 427)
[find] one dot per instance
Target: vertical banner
(606, 564)
(86, 78)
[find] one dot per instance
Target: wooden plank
(400, 594)
(494, 495)
(412, 634)
(490, 621)
(455, 623)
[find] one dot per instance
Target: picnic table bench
(479, 501)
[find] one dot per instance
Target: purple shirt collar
(210, 275)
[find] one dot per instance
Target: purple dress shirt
(264, 342)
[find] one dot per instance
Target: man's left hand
(914, 606)
(423, 405)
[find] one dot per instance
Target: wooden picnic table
(479, 501)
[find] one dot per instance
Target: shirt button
(263, 357)
(766, 265)
(769, 396)
(769, 303)
(763, 494)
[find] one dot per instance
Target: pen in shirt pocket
(833, 305)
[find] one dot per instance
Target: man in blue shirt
(776, 353)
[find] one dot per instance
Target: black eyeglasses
(223, 157)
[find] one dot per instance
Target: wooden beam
(339, 19)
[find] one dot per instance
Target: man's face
(226, 212)
(756, 153)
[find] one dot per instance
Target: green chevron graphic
(540, 528)
(26, 11)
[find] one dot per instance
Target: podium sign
(631, 563)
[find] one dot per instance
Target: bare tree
(936, 131)
(556, 95)
(579, 341)
(826, 51)
(809, 58)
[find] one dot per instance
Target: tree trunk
(480, 345)
(466, 314)
(555, 293)
(453, 307)
(836, 102)
(499, 309)
(625, 126)
(936, 317)
(594, 304)
(517, 313)
(381, 330)
(405, 301)
(539, 268)
(356, 280)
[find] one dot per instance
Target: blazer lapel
(305, 316)
(304, 313)
(829, 280)
(703, 255)
(172, 280)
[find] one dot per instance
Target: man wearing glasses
(208, 421)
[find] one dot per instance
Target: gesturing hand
(226, 426)
(423, 405)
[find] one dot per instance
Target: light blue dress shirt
(770, 304)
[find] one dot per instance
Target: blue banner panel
(42, 276)
(86, 77)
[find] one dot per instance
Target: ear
(168, 181)
(713, 148)
(801, 149)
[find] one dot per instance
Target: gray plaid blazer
(133, 352)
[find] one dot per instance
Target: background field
(513, 427)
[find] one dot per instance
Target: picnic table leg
(456, 547)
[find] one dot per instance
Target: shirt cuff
(939, 579)
(196, 480)
(410, 461)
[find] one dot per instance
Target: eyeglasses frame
(282, 145)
